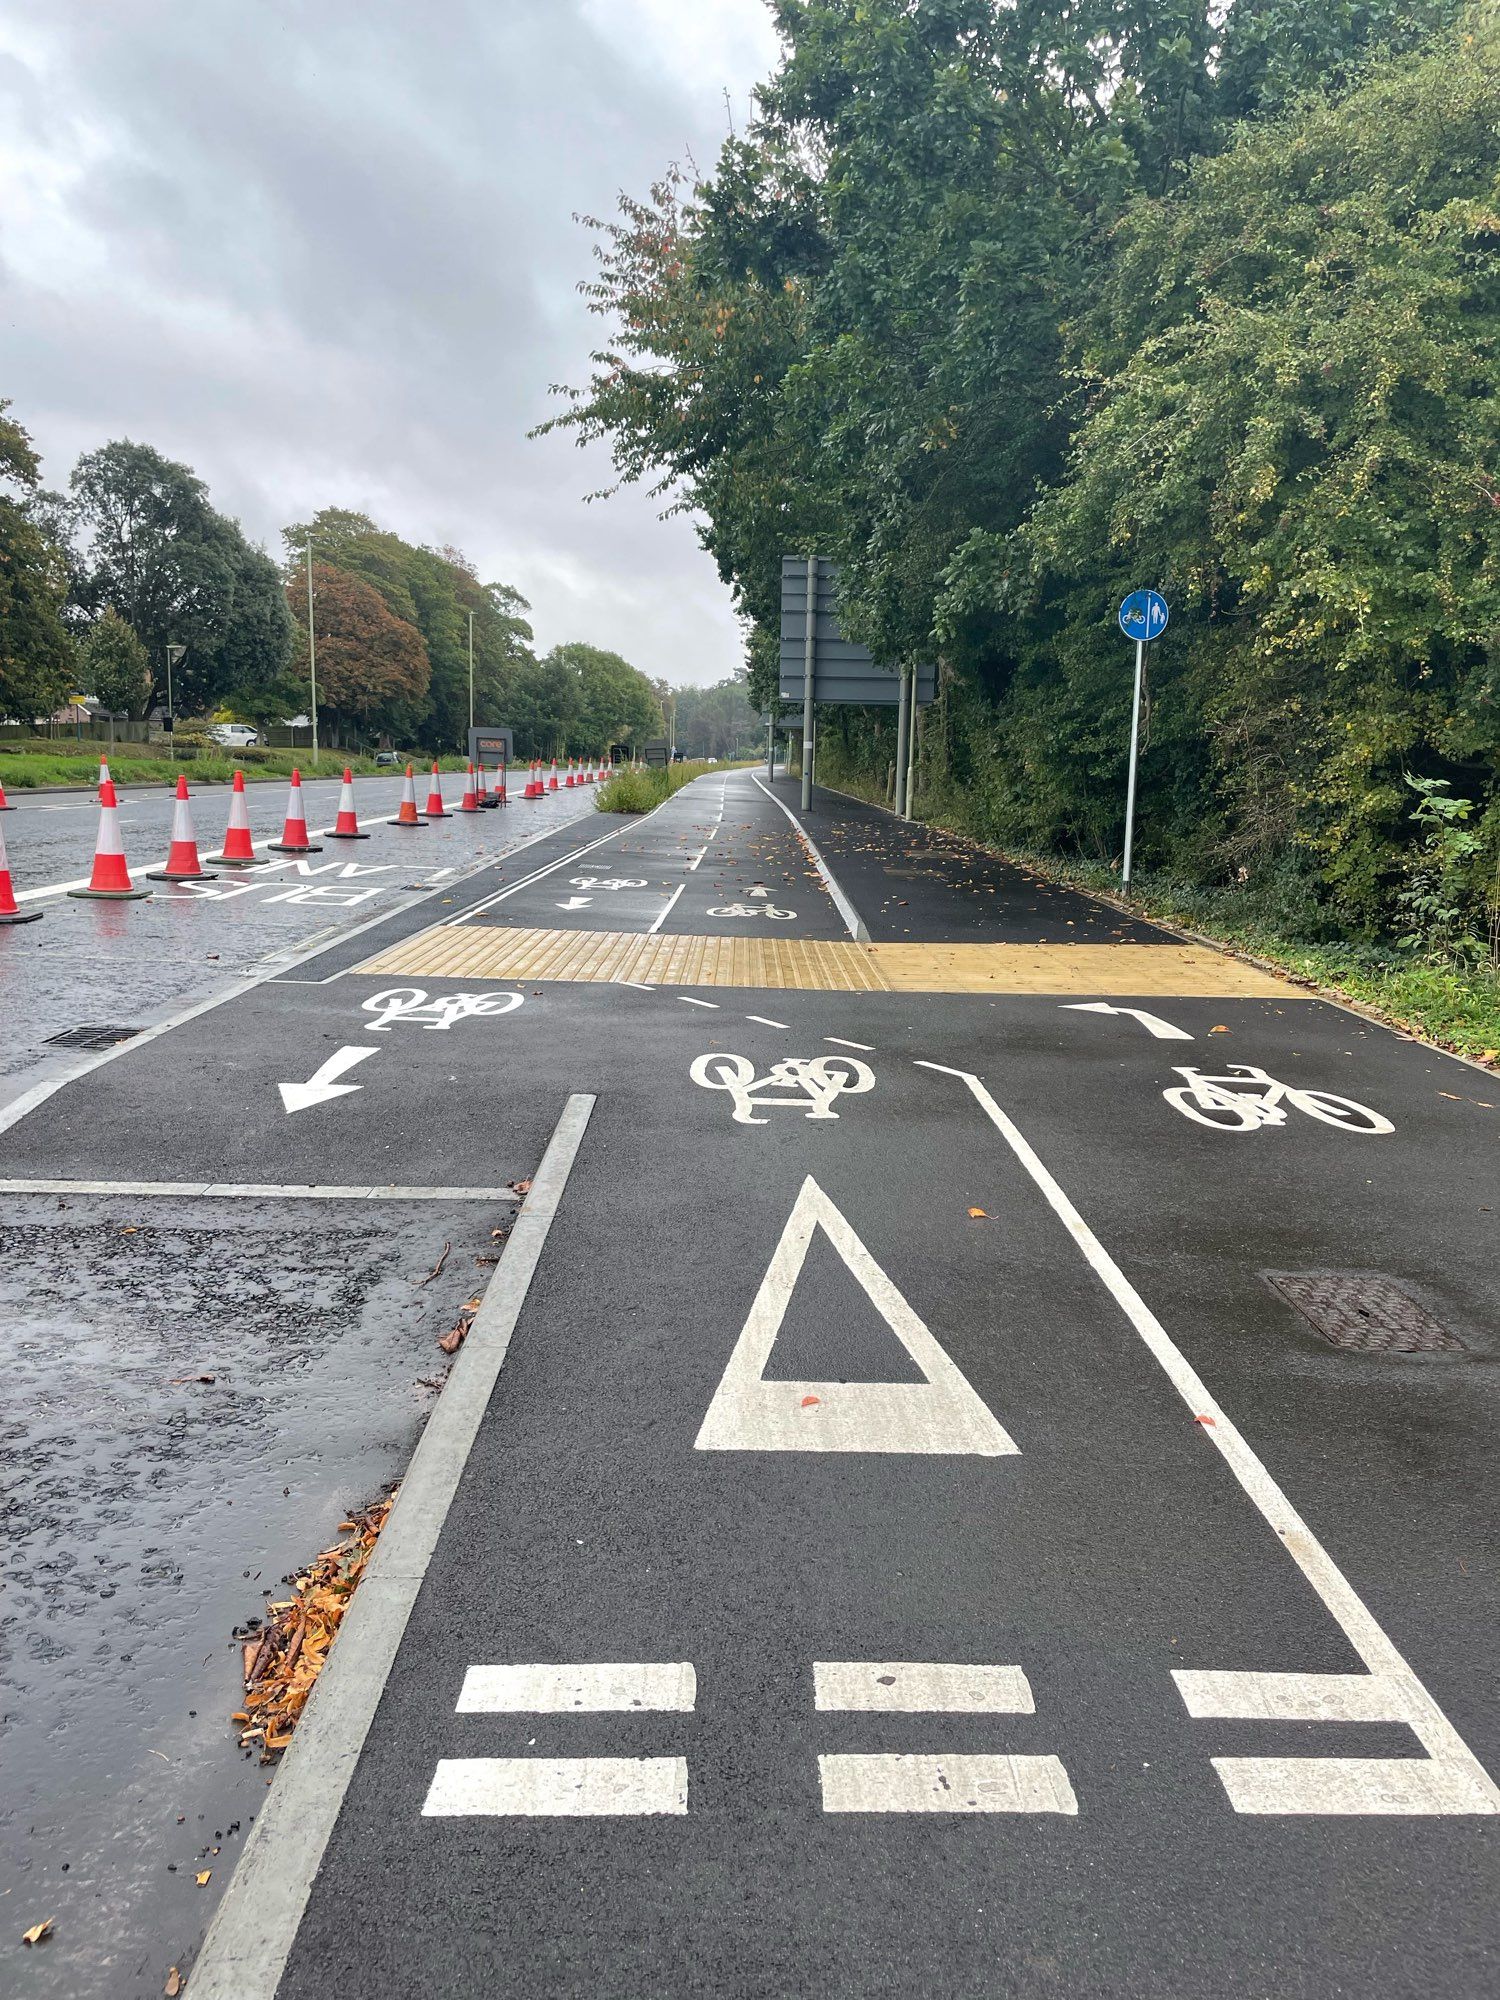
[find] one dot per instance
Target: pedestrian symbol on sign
(1143, 615)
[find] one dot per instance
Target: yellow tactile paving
(474, 951)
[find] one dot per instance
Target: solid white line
(245, 1952)
(765, 1022)
(667, 909)
(920, 1687)
(906, 1784)
(260, 1190)
(556, 1690)
(839, 1042)
(1461, 1771)
(844, 907)
(688, 1001)
(1290, 1697)
(558, 1787)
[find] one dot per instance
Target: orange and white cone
(294, 835)
(104, 777)
(5, 805)
(497, 796)
(434, 808)
(469, 803)
(346, 826)
(110, 880)
(407, 815)
(536, 789)
(183, 864)
(239, 849)
(552, 782)
(568, 780)
(9, 912)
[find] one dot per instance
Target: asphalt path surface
(899, 1406)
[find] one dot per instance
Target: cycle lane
(1108, 1550)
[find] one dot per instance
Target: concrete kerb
(256, 1925)
(852, 919)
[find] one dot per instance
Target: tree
(112, 664)
(372, 666)
(36, 657)
(147, 542)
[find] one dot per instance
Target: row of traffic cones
(109, 880)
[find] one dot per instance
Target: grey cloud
(326, 255)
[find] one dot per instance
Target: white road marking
(558, 1787)
(321, 1085)
(1152, 1023)
(839, 1042)
(941, 1414)
(637, 985)
(259, 1190)
(693, 864)
(576, 903)
(814, 1083)
(548, 868)
(666, 910)
(920, 1687)
(556, 1690)
(437, 1015)
(765, 1021)
(928, 1784)
(688, 1001)
(1455, 1780)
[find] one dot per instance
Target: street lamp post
(471, 670)
(174, 654)
(312, 657)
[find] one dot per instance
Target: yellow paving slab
(475, 951)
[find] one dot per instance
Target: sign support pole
(771, 750)
(1135, 745)
(903, 726)
(809, 655)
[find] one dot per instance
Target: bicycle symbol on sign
(1246, 1098)
(410, 1003)
(819, 1079)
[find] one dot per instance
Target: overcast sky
(323, 251)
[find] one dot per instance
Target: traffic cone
(568, 781)
(294, 836)
(535, 788)
(5, 806)
(104, 777)
(407, 815)
(110, 881)
(434, 808)
(498, 795)
(9, 914)
(183, 864)
(346, 826)
(469, 803)
(239, 850)
(552, 785)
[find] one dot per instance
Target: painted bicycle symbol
(815, 1082)
(745, 910)
(411, 1004)
(598, 882)
(1246, 1098)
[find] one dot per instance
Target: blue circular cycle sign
(1143, 615)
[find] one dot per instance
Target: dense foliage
(1011, 308)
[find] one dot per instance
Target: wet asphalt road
(132, 964)
(1113, 1546)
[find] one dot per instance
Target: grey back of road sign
(657, 751)
(842, 670)
(492, 746)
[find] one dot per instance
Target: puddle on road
(147, 1509)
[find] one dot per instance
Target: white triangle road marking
(941, 1414)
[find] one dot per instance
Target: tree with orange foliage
(373, 667)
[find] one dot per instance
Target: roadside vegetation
(1009, 311)
(24, 768)
(642, 790)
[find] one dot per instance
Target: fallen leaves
(204, 1877)
(980, 1211)
(283, 1665)
(38, 1932)
(437, 1269)
(521, 1187)
(174, 1984)
(454, 1338)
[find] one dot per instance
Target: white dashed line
(765, 1022)
(839, 1042)
(688, 1001)
(638, 987)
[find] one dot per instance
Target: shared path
(972, 1475)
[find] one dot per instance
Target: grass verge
(1455, 1006)
(641, 791)
(25, 769)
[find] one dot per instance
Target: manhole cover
(90, 1038)
(1361, 1309)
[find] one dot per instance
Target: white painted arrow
(1152, 1023)
(320, 1086)
(576, 903)
(758, 890)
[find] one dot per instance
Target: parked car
(234, 735)
(393, 758)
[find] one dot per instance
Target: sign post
(1143, 617)
(809, 651)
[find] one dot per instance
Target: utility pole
(312, 656)
(903, 726)
(471, 670)
(809, 654)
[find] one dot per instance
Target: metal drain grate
(90, 1038)
(1361, 1309)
